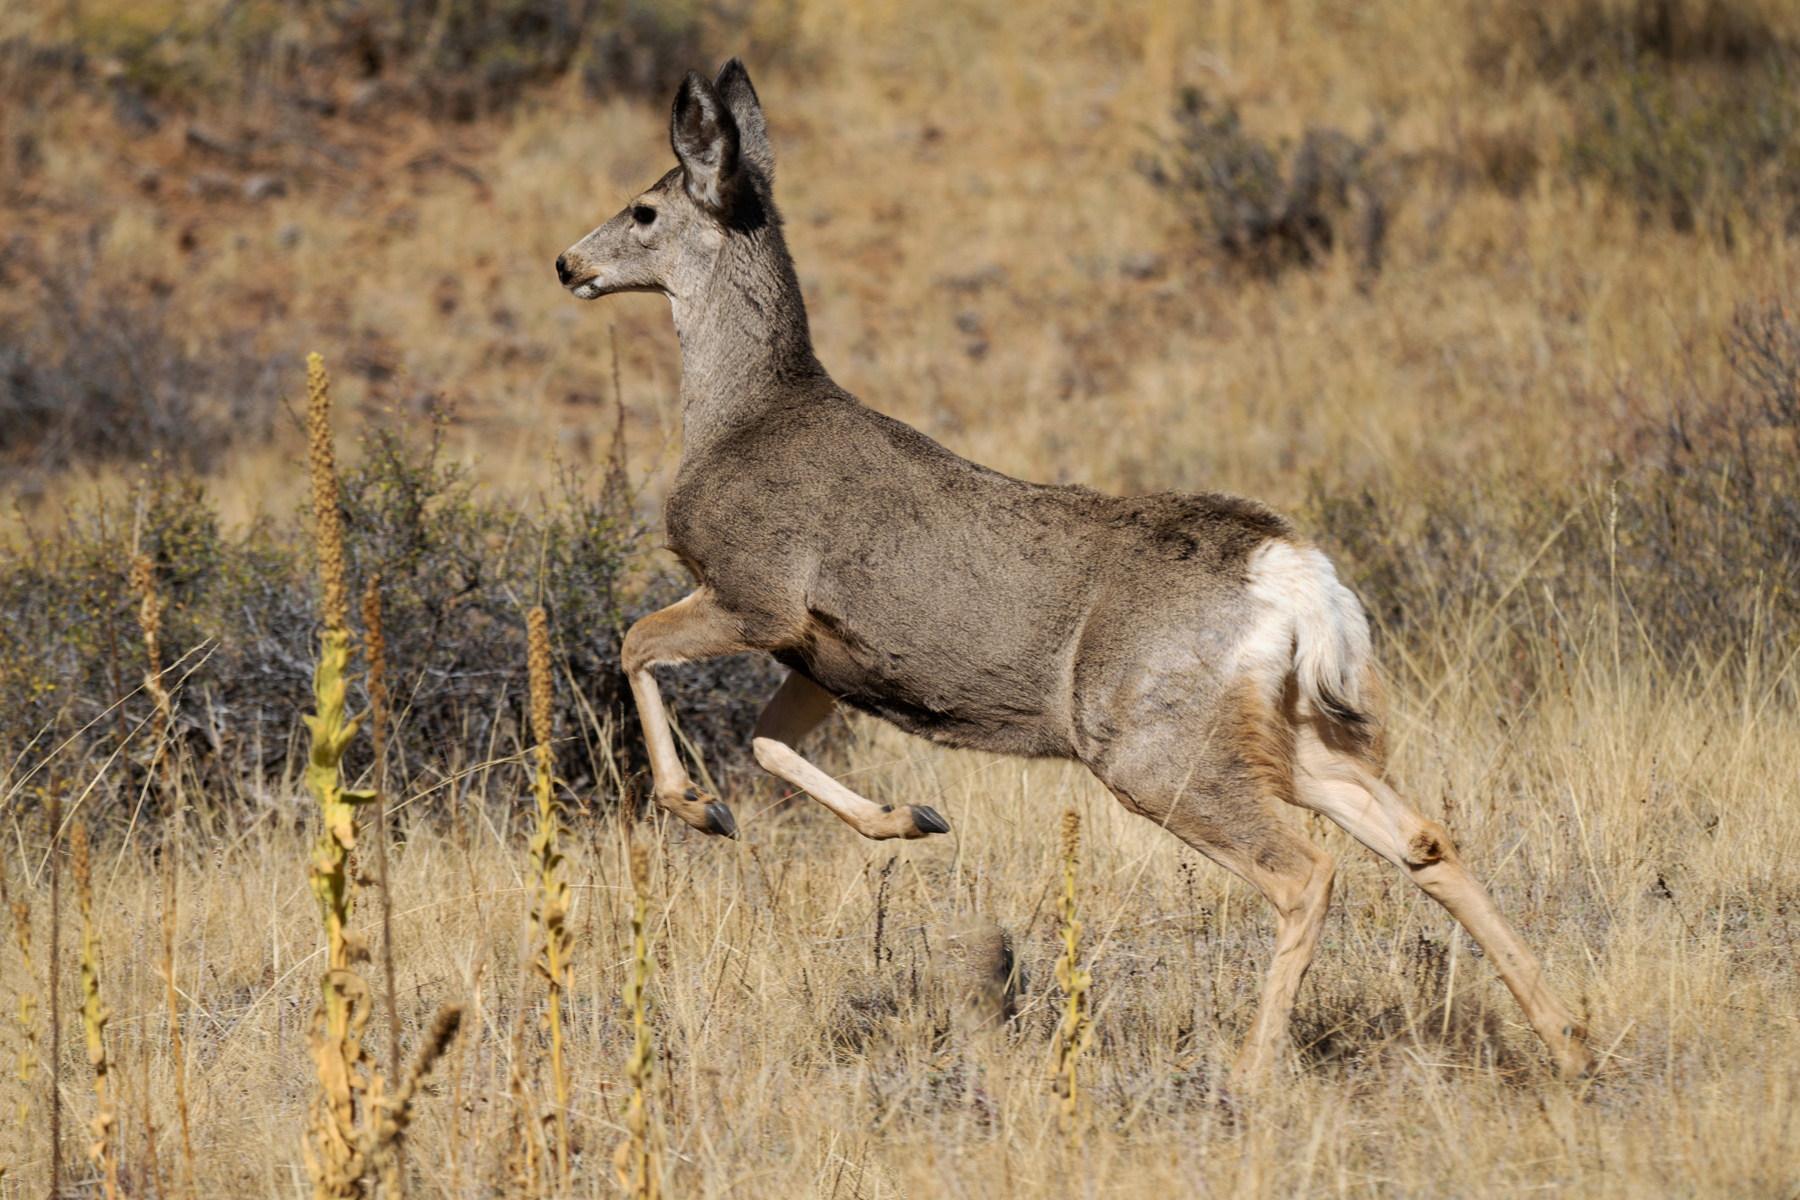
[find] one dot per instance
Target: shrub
(1696, 152)
(97, 374)
(459, 570)
(1691, 535)
(1686, 109)
(1765, 352)
(1262, 212)
(1556, 39)
(456, 58)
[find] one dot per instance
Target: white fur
(1315, 623)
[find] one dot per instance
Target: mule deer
(1195, 653)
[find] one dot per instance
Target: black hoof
(927, 820)
(719, 819)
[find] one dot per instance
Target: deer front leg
(692, 628)
(794, 711)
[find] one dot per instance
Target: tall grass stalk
(335, 1150)
(638, 1159)
(152, 1167)
(150, 611)
(178, 1062)
(94, 1015)
(26, 1073)
(1076, 1029)
(552, 891)
(53, 802)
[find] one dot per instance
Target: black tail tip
(1341, 710)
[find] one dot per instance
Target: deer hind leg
(1295, 876)
(690, 629)
(1229, 810)
(1334, 779)
(794, 711)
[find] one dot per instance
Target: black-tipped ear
(734, 87)
(705, 137)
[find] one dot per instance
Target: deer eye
(643, 214)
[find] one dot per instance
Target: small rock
(367, 99)
(210, 185)
(261, 187)
(993, 977)
(992, 275)
(1141, 266)
(130, 110)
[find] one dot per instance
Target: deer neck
(744, 337)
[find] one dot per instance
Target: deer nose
(562, 268)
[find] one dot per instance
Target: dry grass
(982, 259)
(1647, 847)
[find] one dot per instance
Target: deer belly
(951, 699)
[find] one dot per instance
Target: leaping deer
(1193, 651)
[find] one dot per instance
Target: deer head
(669, 239)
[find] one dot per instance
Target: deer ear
(705, 137)
(734, 88)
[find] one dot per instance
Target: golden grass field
(981, 258)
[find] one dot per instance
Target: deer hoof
(1578, 1063)
(927, 820)
(719, 819)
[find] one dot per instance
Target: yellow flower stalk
(1076, 1029)
(336, 1157)
(322, 458)
(94, 1014)
(638, 1159)
(552, 909)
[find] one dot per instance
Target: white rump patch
(1315, 625)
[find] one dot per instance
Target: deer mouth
(587, 289)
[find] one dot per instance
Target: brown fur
(1264, 742)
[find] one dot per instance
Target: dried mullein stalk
(1076, 1029)
(549, 917)
(334, 1150)
(94, 1013)
(394, 1113)
(322, 458)
(150, 610)
(26, 1073)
